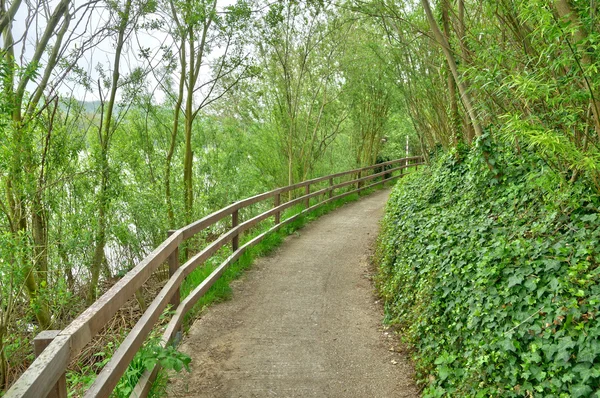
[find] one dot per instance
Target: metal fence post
(40, 342)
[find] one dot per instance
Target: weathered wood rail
(55, 349)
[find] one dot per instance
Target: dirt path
(303, 322)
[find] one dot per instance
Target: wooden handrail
(195, 227)
(43, 374)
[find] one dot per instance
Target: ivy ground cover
(488, 264)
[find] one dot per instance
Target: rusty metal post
(40, 342)
(276, 204)
(306, 192)
(331, 190)
(173, 262)
(235, 242)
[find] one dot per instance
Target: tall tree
(30, 84)
(36, 55)
(300, 46)
(200, 27)
(450, 59)
(125, 21)
(369, 90)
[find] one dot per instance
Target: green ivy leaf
(443, 372)
(564, 349)
(515, 280)
(580, 390)
(508, 345)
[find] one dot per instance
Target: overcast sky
(85, 25)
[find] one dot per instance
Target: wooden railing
(55, 349)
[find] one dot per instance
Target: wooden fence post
(173, 261)
(331, 190)
(235, 241)
(275, 204)
(306, 192)
(40, 342)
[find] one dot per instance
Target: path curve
(303, 322)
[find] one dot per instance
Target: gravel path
(303, 322)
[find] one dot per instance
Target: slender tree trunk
(464, 93)
(188, 28)
(461, 30)
(188, 160)
(290, 173)
(40, 239)
(188, 168)
(17, 201)
(171, 152)
(566, 11)
(66, 263)
(38, 212)
(100, 239)
(454, 112)
(3, 361)
(15, 184)
(290, 152)
(105, 136)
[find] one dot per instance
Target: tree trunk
(565, 11)
(100, 239)
(105, 134)
(290, 153)
(3, 361)
(188, 161)
(16, 188)
(188, 168)
(462, 88)
(66, 263)
(40, 239)
(454, 112)
(171, 152)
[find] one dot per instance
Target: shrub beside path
(303, 322)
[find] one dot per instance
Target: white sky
(102, 53)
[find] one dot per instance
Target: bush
(489, 267)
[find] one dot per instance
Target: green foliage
(145, 359)
(150, 354)
(85, 195)
(489, 265)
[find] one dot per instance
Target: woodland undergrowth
(488, 263)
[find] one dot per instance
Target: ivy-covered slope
(492, 277)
